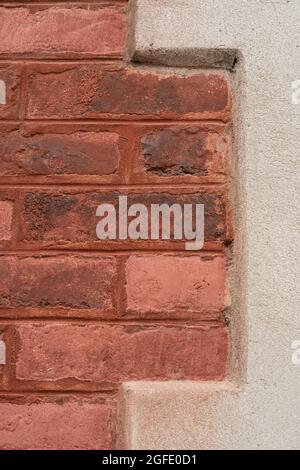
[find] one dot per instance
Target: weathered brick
(56, 423)
(58, 154)
(176, 285)
(53, 219)
(109, 355)
(62, 31)
(88, 123)
(6, 215)
(183, 152)
(70, 282)
(10, 83)
(97, 91)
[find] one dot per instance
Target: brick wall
(79, 316)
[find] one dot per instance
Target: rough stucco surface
(265, 411)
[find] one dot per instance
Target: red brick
(188, 153)
(108, 355)
(57, 423)
(97, 91)
(6, 214)
(58, 154)
(67, 1)
(11, 76)
(69, 282)
(62, 31)
(174, 285)
(69, 219)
